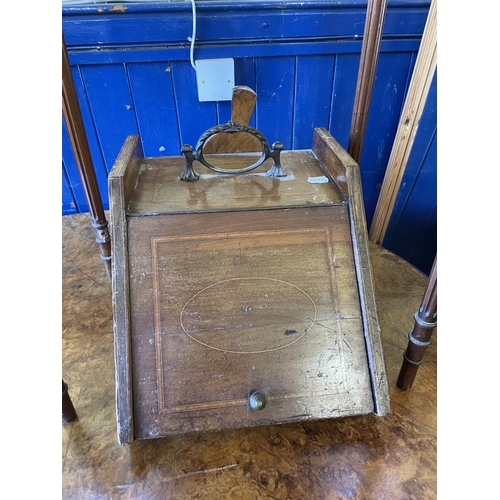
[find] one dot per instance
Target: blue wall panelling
(385, 109)
(133, 75)
(95, 149)
(412, 230)
(68, 200)
(313, 84)
(154, 107)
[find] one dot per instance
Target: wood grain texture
(242, 107)
(425, 67)
(173, 250)
(339, 163)
(366, 457)
(78, 138)
(121, 183)
(240, 301)
(169, 255)
(332, 158)
(161, 191)
(372, 37)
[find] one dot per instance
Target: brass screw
(258, 400)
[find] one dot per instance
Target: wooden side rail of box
(344, 171)
(121, 185)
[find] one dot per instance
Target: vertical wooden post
(375, 17)
(78, 138)
(420, 336)
(421, 80)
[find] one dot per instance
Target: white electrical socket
(215, 79)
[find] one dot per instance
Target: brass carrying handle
(231, 127)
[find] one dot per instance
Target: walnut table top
(363, 457)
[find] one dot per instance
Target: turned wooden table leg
(420, 336)
(68, 410)
(78, 138)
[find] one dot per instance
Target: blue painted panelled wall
(132, 73)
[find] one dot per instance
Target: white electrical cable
(193, 37)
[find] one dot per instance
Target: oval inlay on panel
(248, 315)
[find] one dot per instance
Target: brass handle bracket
(231, 127)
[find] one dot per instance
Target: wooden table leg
(78, 138)
(68, 410)
(420, 336)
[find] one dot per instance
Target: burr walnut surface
(359, 457)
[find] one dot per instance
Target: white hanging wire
(192, 38)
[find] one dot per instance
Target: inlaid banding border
(321, 234)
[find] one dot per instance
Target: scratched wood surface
(121, 184)
(195, 358)
(159, 185)
(224, 304)
(363, 457)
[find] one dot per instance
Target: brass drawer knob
(258, 400)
